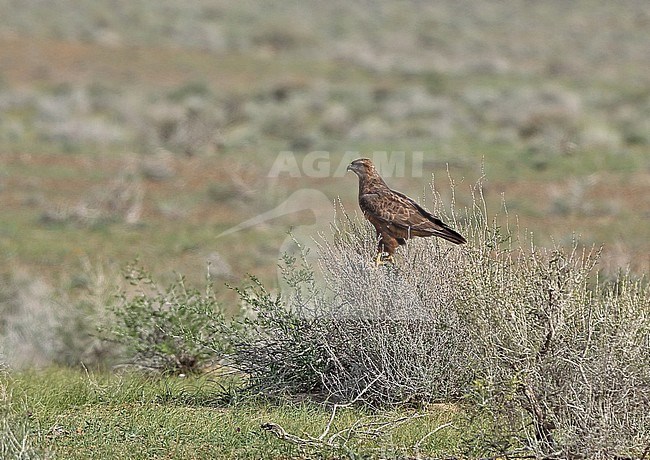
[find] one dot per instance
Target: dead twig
(282, 434)
(431, 433)
(337, 406)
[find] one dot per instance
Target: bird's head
(362, 167)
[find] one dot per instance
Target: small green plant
(279, 343)
(165, 330)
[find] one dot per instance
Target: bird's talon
(378, 260)
(383, 258)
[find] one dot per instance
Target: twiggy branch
(337, 406)
(282, 434)
(431, 433)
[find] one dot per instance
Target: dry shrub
(41, 325)
(28, 321)
(565, 367)
(119, 201)
(393, 329)
(543, 355)
(388, 333)
(82, 312)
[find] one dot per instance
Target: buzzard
(395, 216)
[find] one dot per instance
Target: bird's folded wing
(398, 210)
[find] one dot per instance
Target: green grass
(75, 415)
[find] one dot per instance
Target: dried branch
(431, 433)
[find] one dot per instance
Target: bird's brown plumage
(395, 216)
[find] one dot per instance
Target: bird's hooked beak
(358, 167)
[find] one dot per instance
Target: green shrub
(276, 349)
(166, 330)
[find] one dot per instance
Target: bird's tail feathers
(451, 235)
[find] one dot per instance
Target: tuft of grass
(18, 440)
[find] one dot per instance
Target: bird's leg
(380, 251)
(385, 250)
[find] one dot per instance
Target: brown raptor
(395, 216)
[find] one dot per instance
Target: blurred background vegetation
(145, 129)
